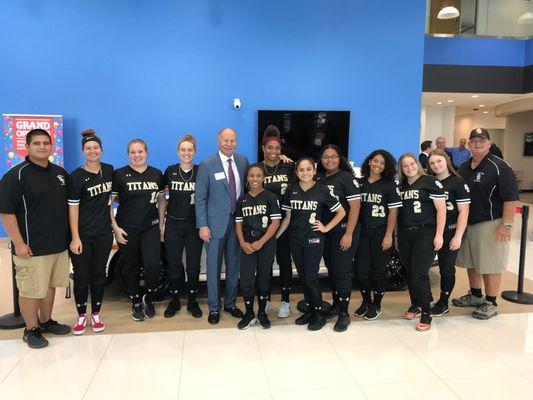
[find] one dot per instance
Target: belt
(451, 227)
(178, 219)
(418, 227)
(372, 226)
(256, 234)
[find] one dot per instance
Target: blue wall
(157, 69)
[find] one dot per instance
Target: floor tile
(349, 392)
(145, 345)
(435, 390)
(4, 371)
(12, 351)
(514, 387)
(252, 396)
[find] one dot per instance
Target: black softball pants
(90, 271)
(256, 269)
(179, 235)
(307, 260)
(447, 260)
(417, 254)
(371, 260)
(283, 257)
(339, 262)
(143, 249)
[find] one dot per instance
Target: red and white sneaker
(97, 323)
(81, 325)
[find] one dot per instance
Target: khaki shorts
(481, 251)
(36, 274)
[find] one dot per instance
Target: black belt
(372, 226)
(179, 219)
(418, 227)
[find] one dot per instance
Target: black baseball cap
(479, 132)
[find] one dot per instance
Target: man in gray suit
(220, 182)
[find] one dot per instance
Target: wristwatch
(507, 225)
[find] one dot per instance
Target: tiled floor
(459, 358)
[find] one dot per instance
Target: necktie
(232, 187)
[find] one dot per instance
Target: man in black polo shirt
(485, 251)
(34, 211)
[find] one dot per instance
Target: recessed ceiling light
(485, 112)
(450, 101)
(475, 95)
(440, 102)
(482, 105)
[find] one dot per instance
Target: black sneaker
(34, 338)
(54, 327)
(317, 321)
(373, 312)
(149, 307)
(439, 309)
(342, 322)
(137, 312)
(247, 321)
(304, 319)
(333, 311)
(361, 311)
(263, 320)
(173, 307)
(194, 309)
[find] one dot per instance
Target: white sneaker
(268, 306)
(284, 309)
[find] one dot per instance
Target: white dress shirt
(224, 160)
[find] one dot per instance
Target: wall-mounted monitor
(528, 144)
(304, 133)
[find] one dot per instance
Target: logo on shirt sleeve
(61, 179)
(439, 185)
(467, 188)
(356, 184)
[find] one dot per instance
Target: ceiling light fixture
(525, 19)
(439, 102)
(485, 112)
(482, 105)
(448, 12)
(450, 101)
(475, 95)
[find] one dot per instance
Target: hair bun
(271, 131)
(88, 132)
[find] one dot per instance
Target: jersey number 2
(417, 207)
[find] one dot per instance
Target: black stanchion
(519, 296)
(13, 320)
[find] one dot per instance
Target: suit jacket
(423, 158)
(212, 198)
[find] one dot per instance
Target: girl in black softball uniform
(140, 189)
(305, 203)
(457, 207)
(380, 200)
(89, 199)
(180, 229)
(340, 243)
(257, 218)
(277, 180)
(421, 226)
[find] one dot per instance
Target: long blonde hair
(401, 176)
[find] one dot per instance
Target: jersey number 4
(378, 211)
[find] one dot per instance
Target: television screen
(304, 133)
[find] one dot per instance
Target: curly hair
(344, 165)
(389, 172)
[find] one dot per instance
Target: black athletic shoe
(247, 321)
(235, 312)
(263, 320)
(34, 338)
(149, 307)
(137, 312)
(342, 322)
(372, 313)
(173, 307)
(194, 309)
(317, 321)
(333, 311)
(439, 309)
(54, 327)
(304, 319)
(361, 311)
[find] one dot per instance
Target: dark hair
(138, 141)
(426, 144)
(256, 165)
(344, 165)
(188, 138)
(89, 135)
(449, 164)
(271, 133)
(294, 177)
(36, 132)
(389, 172)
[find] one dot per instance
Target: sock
(476, 292)
(135, 300)
(378, 296)
(367, 297)
(285, 292)
(492, 299)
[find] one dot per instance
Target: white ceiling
(465, 103)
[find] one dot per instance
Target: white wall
(437, 121)
(517, 125)
(498, 17)
(466, 122)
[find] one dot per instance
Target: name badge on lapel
(220, 175)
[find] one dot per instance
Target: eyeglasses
(478, 141)
(334, 157)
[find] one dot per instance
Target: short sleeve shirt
(306, 208)
(256, 213)
(377, 198)
(277, 179)
(181, 187)
(137, 195)
(457, 192)
(491, 183)
(37, 196)
(92, 194)
(417, 199)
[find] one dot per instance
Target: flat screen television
(304, 133)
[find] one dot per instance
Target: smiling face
(272, 150)
(479, 146)
(186, 152)
(377, 164)
(409, 167)
(330, 160)
(137, 154)
(255, 178)
(39, 148)
(92, 151)
(227, 142)
(305, 170)
(438, 164)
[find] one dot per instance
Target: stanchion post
(519, 296)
